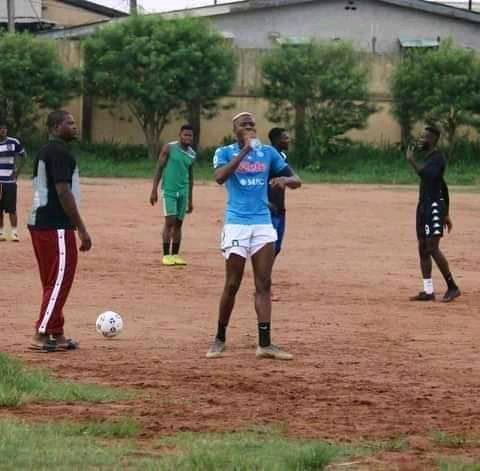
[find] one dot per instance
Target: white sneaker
(14, 236)
(2, 236)
(273, 352)
(216, 349)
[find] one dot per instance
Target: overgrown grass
(112, 445)
(457, 465)
(62, 446)
(358, 163)
(19, 384)
(245, 451)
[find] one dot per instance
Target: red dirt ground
(368, 363)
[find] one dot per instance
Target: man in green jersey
(175, 166)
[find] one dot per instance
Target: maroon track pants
(56, 253)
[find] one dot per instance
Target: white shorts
(246, 240)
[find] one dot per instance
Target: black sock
(166, 248)
(450, 282)
(264, 334)
(175, 248)
(221, 332)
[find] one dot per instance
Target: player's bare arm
(162, 161)
(281, 183)
(67, 200)
(190, 194)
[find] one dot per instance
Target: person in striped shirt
(12, 158)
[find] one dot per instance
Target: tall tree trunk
(194, 110)
(301, 145)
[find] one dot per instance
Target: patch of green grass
(357, 163)
(457, 465)
(61, 446)
(372, 447)
(121, 428)
(245, 451)
(449, 440)
(19, 384)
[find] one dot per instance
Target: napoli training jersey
(247, 188)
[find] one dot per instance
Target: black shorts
(8, 198)
(430, 219)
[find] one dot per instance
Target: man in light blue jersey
(245, 167)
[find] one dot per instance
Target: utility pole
(133, 7)
(11, 15)
(470, 5)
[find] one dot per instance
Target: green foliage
(245, 451)
(60, 446)
(111, 151)
(19, 385)
(32, 78)
(439, 86)
(156, 66)
(321, 90)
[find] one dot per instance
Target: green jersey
(176, 173)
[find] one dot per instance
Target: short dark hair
(433, 129)
(186, 127)
(275, 134)
(55, 118)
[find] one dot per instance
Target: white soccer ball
(109, 324)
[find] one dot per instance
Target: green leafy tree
(156, 67)
(32, 78)
(437, 86)
(320, 89)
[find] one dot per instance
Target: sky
(159, 5)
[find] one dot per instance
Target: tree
(32, 78)
(320, 89)
(157, 66)
(437, 86)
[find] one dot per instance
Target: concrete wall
(328, 19)
(69, 15)
(322, 20)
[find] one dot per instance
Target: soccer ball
(109, 324)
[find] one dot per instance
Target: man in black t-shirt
(432, 216)
(52, 224)
(276, 196)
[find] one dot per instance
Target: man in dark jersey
(54, 218)
(432, 216)
(280, 140)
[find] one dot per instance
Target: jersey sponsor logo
(252, 181)
(254, 167)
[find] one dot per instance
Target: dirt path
(369, 364)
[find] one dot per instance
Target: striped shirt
(10, 149)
